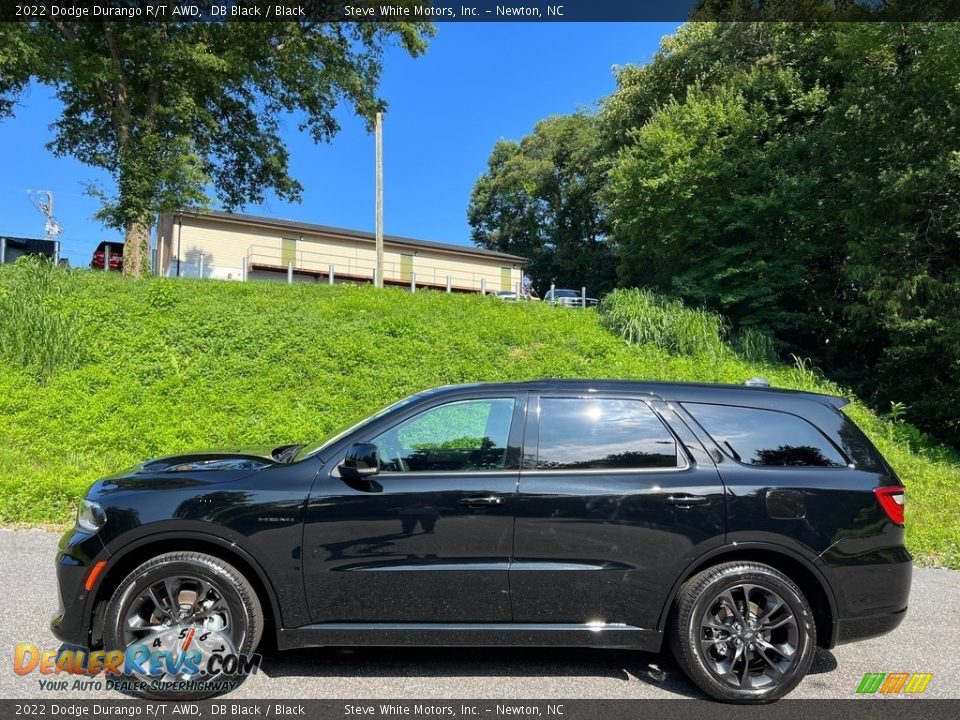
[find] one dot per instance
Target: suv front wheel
(180, 616)
(743, 632)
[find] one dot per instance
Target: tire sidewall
(689, 633)
(154, 570)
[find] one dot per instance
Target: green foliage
(804, 181)
(170, 109)
(640, 316)
(539, 199)
(36, 333)
(228, 364)
(754, 346)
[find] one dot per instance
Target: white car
(511, 295)
(567, 298)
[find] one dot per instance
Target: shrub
(35, 331)
(754, 346)
(640, 316)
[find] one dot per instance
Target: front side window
(766, 437)
(599, 433)
(467, 436)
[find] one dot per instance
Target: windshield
(316, 447)
(566, 293)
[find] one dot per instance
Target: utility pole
(43, 200)
(380, 200)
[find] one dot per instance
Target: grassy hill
(98, 372)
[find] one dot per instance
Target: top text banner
(476, 10)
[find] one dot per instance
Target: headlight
(90, 516)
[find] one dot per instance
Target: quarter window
(599, 433)
(766, 437)
(467, 436)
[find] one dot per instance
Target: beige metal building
(230, 246)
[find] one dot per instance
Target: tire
(221, 597)
(751, 652)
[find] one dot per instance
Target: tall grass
(35, 331)
(641, 316)
(754, 346)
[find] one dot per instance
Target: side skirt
(596, 635)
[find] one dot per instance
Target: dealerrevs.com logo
(176, 659)
(894, 683)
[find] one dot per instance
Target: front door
(612, 505)
(429, 538)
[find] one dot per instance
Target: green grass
(35, 329)
(641, 317)
(165, 366)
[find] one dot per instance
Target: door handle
(685, 501)
(483, 501)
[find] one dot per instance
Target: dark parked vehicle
(100, 255)
(743, 526)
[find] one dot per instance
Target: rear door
(612, 504)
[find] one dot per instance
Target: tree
(538, 199)
(712, 202)
(173, 110)
(804, 179)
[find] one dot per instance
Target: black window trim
(531, 447)
(726, 451)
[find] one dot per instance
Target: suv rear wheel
(743, 632)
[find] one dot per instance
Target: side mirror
(362, 461)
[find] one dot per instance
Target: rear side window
(598, 433)
(766, 437)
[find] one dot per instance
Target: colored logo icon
(894, 683)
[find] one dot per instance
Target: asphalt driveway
(927, 641)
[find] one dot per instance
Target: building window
(406, 267)
(506, 277)
(288, 252)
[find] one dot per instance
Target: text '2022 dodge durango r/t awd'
(741, 526)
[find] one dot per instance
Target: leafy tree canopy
(802, 179)
(177, 111)
(538, 199)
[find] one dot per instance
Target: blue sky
(477, 83)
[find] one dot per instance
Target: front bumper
(77, 554)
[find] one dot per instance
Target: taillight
(891, 500)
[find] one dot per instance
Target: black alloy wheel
(743, 632)
(184, 601)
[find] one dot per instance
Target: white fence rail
(335, 267)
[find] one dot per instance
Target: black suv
(742, 525)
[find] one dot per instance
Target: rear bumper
(862, 628)
(872, 591)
